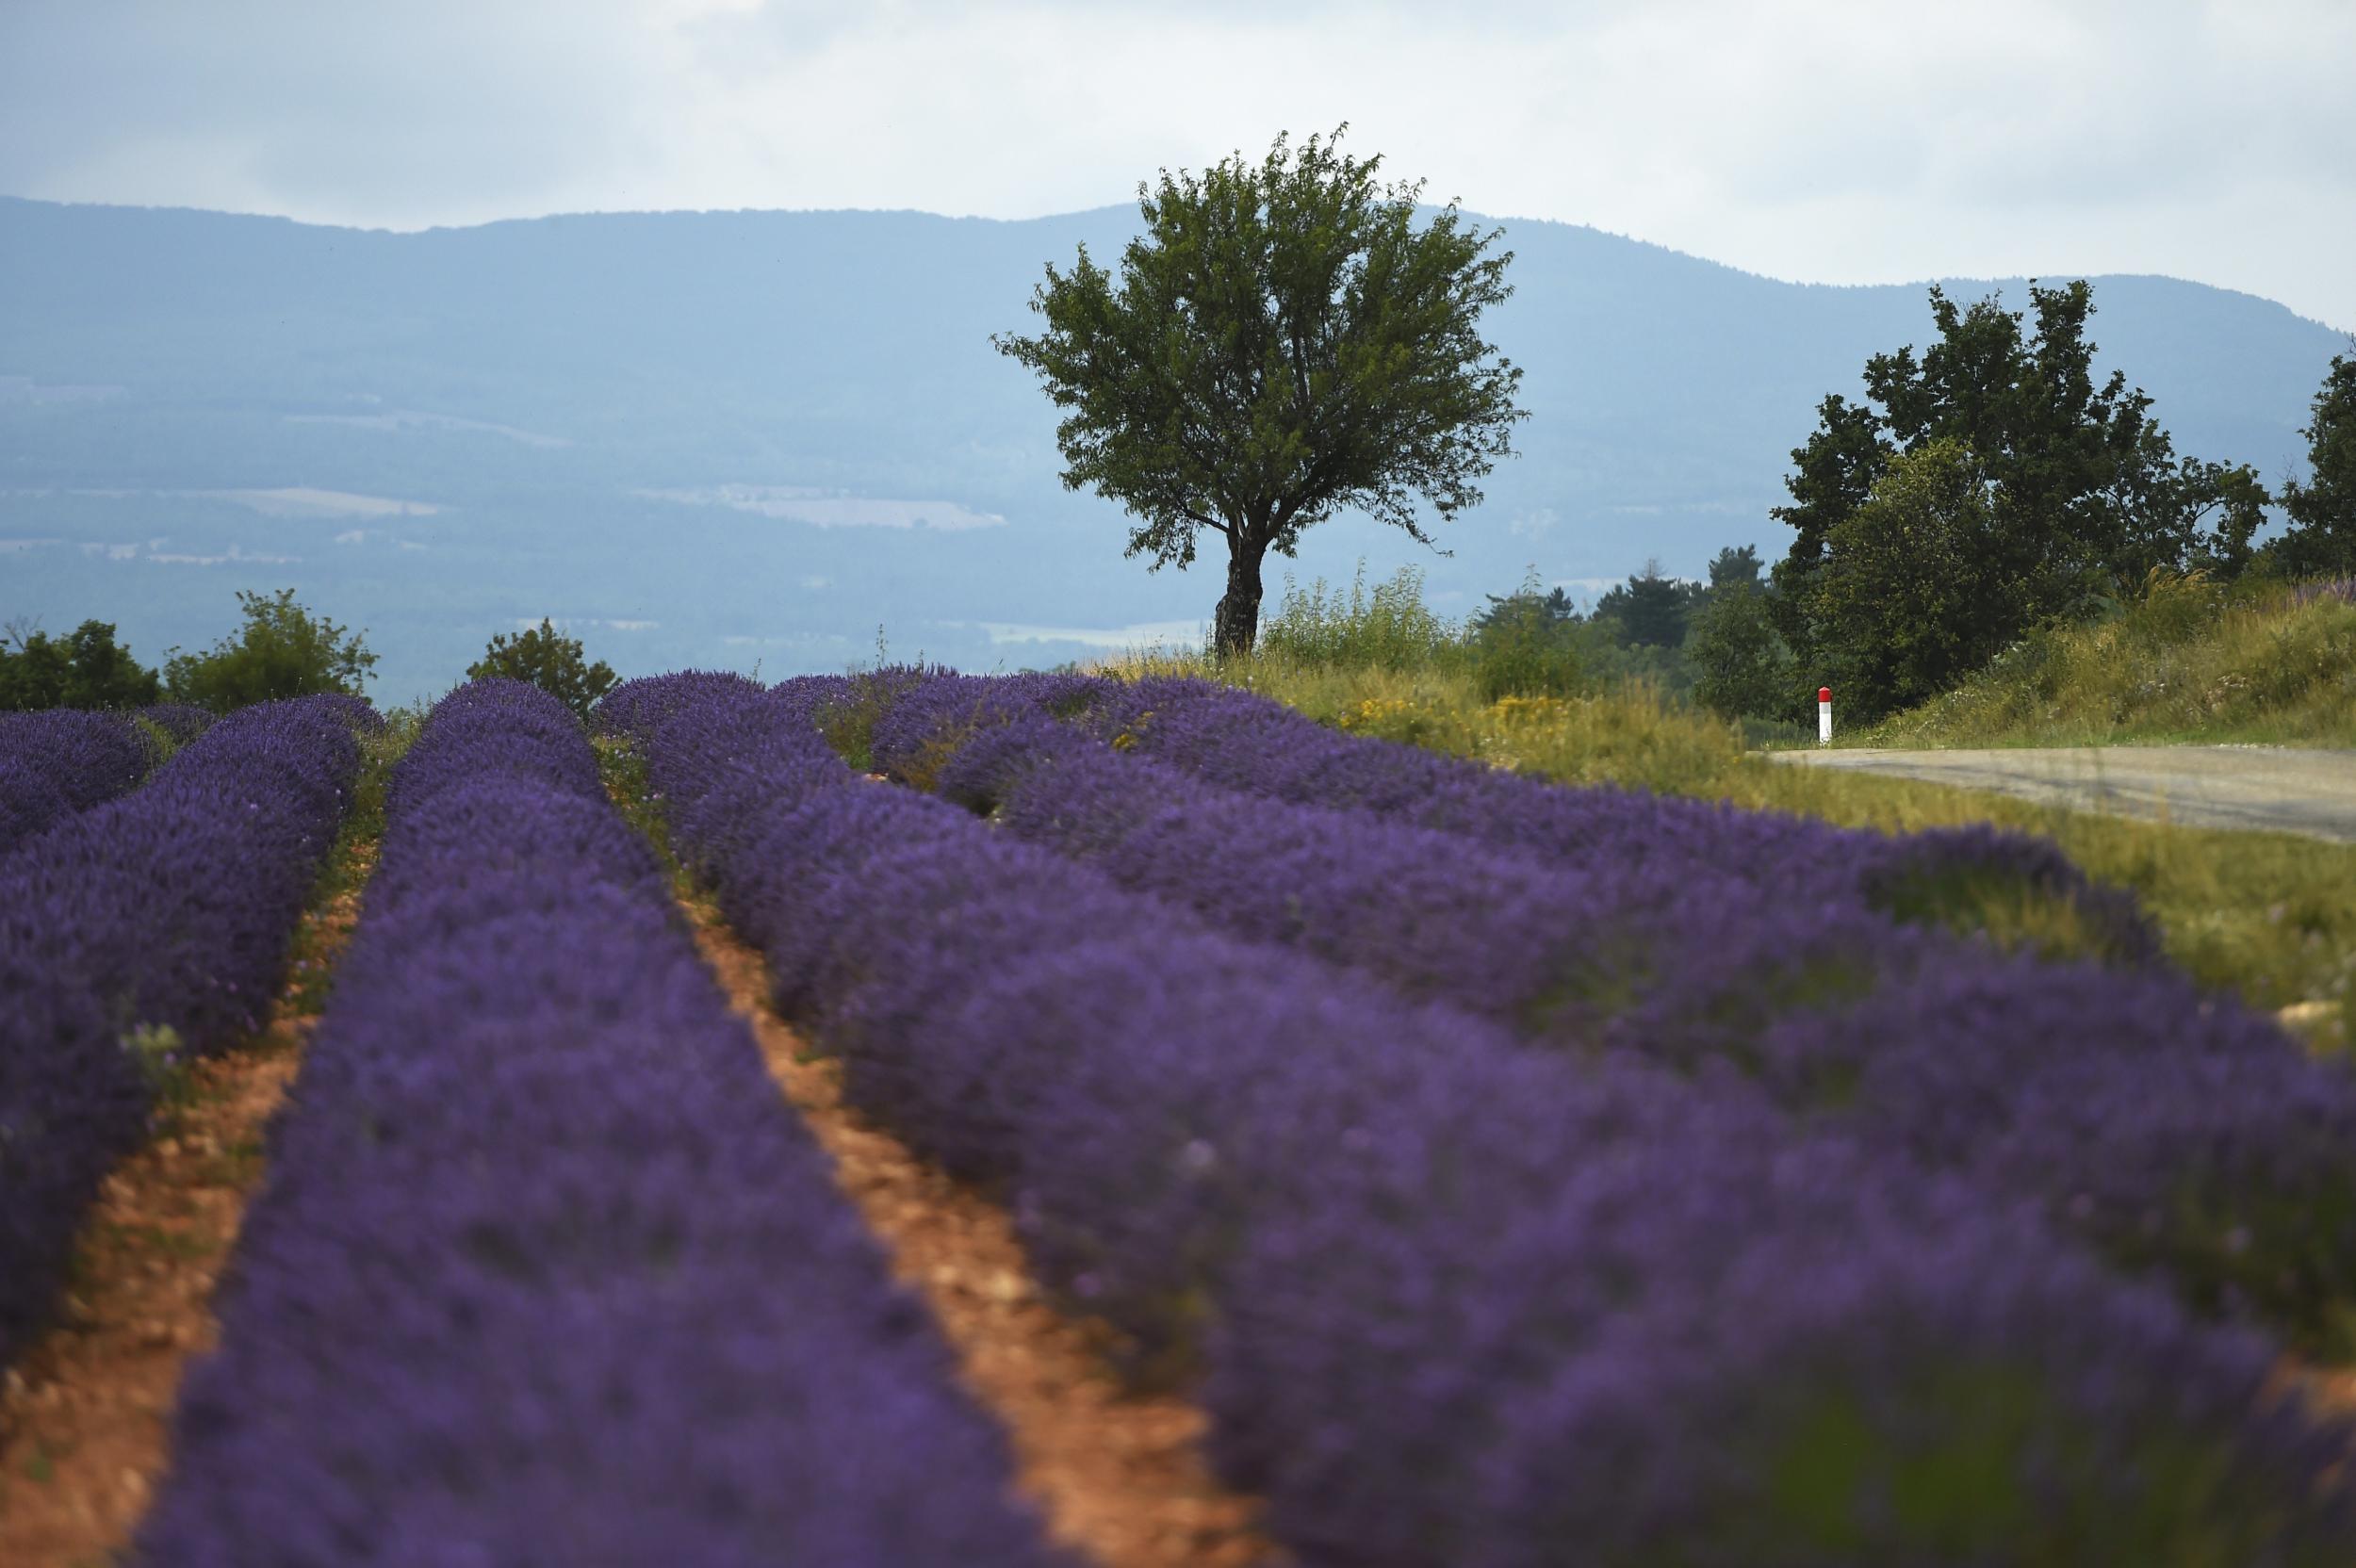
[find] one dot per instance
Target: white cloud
(1841, 140)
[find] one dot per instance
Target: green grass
(2191, 662)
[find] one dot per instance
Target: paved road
(2276, 788)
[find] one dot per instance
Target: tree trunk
(1235, 625)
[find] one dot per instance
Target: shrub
(283, 651)
(1743, 668)
(1525, 644)
(545, 658)
(1388, 628)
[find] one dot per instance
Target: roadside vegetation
(2192, 661)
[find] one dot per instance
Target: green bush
(1742, 667)
(86, 669)
(547, 658)
(1526, 645)
(1912, 596)
(1386, 628)
(283, 651)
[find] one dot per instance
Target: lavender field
(1488, 1172)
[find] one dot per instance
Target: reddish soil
(85, 1418)
(1119, 1475)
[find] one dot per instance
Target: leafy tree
(2321, 540)
(2085, 495)
(1651, 609)
(86, 669)
(1551, 606)
(283, 651)
(1914, 594)
(1287, 340)
(555, 664)
(1526, 644)
(1742, 667)
(1735, 567)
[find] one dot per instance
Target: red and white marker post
(1824, 716)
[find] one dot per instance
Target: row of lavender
(137, 932)
(544, 1269)
(56, 761)
(1450, 1300)
(2168, 1128)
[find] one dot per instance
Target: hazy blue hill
(532, 380)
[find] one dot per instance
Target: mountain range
(737, 438)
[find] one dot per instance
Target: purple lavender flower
(545, 1269)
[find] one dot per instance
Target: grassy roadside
(2191, 662)
(2269, 916)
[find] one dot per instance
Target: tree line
(279, 649)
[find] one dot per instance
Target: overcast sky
(1845, 141)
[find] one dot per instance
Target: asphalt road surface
(2278, 789)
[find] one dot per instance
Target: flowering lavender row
(1451, 1300)
(1246, 743)
(59, 761)
(183, 722)
(2168, 1128)
(133, 934)
(545, 1270)
(1681, 963)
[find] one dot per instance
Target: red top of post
(1823, 694)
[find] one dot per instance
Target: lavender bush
(2173, 1130)
(1431, 1279)
(545, 1270)
(1248, 743)
(133, 935)
(2242, 1179)
(1680, 963)
(185, 721)
(59, 760)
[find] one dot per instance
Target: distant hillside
(712, 437)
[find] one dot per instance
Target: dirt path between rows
(86, 1416)
(1120, 1476)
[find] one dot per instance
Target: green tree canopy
(281, 650)
(548, 659)
(1914, 594)
(1533, 603)
(2084, 493)
(1651, 608)
(1526, 643)
(1287, 340)
(87, 668)
(2321, 540)
(1740, 666)
(1736, 566)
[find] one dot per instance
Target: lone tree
(1287, 340)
